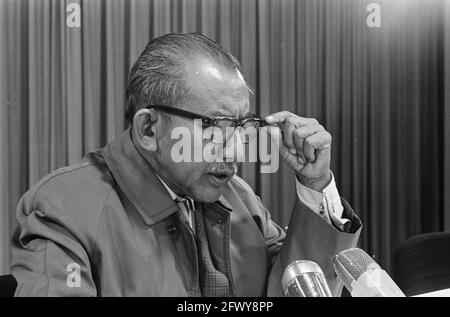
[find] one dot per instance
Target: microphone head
(304, 278)
(350, 264)
(297, 268)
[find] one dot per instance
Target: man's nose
(234, 148)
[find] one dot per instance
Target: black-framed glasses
(247, 127)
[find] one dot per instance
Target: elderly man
(130, 220)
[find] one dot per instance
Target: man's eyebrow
(248, 114)
(218, 113)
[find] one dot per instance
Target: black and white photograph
(225, 148)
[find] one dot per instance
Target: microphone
(8, 285)
(362, 276)
(304, 279)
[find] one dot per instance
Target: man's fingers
(289, 128)
(278, 117)
(282, 116)
(301, 134)
(317, 141)
(288, 123)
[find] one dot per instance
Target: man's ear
(144, 122)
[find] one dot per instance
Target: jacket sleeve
(309, 237)
(47, 257)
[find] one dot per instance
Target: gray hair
(158, 75)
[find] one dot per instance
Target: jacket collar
(139, 182)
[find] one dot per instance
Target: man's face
(216, 91)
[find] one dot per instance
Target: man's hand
(305, 145)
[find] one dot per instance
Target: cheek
(189, 171)
(185, 172)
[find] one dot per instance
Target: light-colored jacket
(108, 227)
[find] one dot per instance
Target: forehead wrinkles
(233, 105)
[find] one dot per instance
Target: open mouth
(221, 176)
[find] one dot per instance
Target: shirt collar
(172, 194)
(169, 190)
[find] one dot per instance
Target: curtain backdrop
(379, 91)
(447, 116)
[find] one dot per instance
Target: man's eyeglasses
(248, 127)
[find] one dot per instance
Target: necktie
(187, 207)
(213, 282)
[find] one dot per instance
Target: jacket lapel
(137, 180)
(148, 195)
